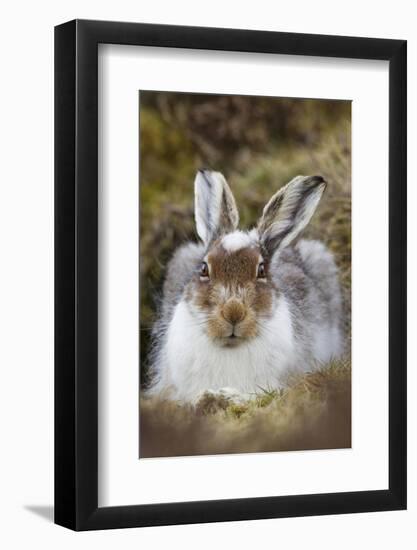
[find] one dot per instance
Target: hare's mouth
(229, 334)
(232, 340)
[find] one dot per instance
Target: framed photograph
(230, 284)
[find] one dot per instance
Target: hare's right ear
(289, 211)
(215, 206)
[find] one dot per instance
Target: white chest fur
(192, 363)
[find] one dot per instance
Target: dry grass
(314, 412)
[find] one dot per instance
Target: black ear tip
(317, 179)
(205, 176)
(203, 169)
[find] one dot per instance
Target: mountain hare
(243, 310)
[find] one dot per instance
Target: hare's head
(232, 291)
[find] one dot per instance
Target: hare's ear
(215, 206)
(289, 211)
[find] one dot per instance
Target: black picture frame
(76, 272)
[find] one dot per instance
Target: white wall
(26, 291)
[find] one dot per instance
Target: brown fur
(238, 267)
(232, 296)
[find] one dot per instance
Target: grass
(313, 412)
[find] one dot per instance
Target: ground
(312, 413)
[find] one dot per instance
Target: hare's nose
(234, 311)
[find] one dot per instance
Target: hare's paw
(211, 401)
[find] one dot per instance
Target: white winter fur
(193, 363)
(211, 191)
(236, 241)
(328, 340)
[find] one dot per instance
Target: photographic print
(203, 275)
(245, 274)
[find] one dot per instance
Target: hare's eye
(261, 271)
(204, 271)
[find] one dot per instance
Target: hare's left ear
(215, 206)
(289, 211)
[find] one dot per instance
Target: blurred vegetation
(313, 412)
(259, 144)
